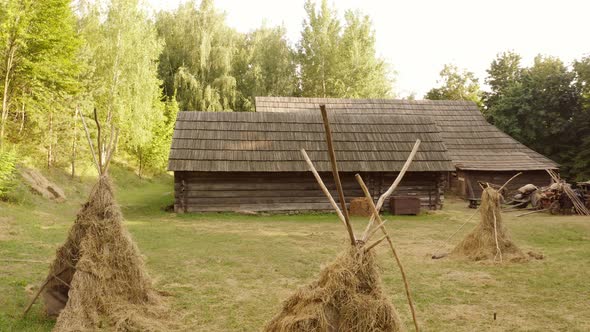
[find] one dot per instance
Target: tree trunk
(74, 139)
(9, 62)
(140, 163)
(50, 146)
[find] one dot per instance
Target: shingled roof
(270, 142)
(472, 142)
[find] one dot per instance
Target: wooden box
(404, 205)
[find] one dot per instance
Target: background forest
(60, 60)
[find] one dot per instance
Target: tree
(39, 52)
(456, 84)
(363, 74)
(339, 60)
(197, 60)
(318, 51)
(504, 71)
(580, 165)
(265, 65)
(536, 106)
(122, 82)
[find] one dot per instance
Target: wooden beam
(336, 174)
(399, 263)
(323, 186)
(391, 189)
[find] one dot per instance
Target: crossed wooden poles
(371, 228)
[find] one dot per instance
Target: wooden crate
(404, 205)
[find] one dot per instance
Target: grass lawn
(229, 272)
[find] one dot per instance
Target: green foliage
(456, 84)
(537, 106)
(340, 62)
(39, 49)
(8, 160)
(266, 65)
(196, 63)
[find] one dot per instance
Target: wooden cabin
(479, 150)
(230, 161)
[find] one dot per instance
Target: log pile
(557, 198)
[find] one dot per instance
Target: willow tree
(197, 60)
(122, 50)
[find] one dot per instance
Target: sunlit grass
(230, 272)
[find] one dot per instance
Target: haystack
(348, 295)
(489, 240)
(98, 279)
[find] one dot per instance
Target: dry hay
(98, 279)
(360, 207)
(481, 243)
(348, 296)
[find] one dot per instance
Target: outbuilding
(230, 161)
(479, 150)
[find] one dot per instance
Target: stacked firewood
(558, 198)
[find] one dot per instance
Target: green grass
(230, 272)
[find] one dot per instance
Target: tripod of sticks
(376, 223)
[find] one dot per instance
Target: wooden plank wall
(290, 191)
(538, 178)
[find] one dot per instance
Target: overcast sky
(417, 37)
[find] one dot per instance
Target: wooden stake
(323, 186)
(399, 263)
(527, 213)
(391, 189)
(90, 142)
(376, 243)
(98, 140)
(496, 236)
(47, 280)
(111, 149)
(336, 174)
(512, 178)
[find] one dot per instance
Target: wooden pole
(47, 280)
(531, 212)
(111, 150)
(98, 139)
(90, 143)
(399, 263)
(323, 186)
(336, 174)
(391, 189)
(512, 178)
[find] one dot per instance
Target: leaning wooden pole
(336, 174)
(388, 238)
(323, 186)
(391, 189)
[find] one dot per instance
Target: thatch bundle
(348, 296)
(489, 239)
(98, 278)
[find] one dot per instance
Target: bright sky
(417, 37)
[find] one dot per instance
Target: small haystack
(489, 240)
(98, 278)
(348, 295)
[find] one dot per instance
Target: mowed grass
(230, 272)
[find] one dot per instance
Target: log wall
(292, 191)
